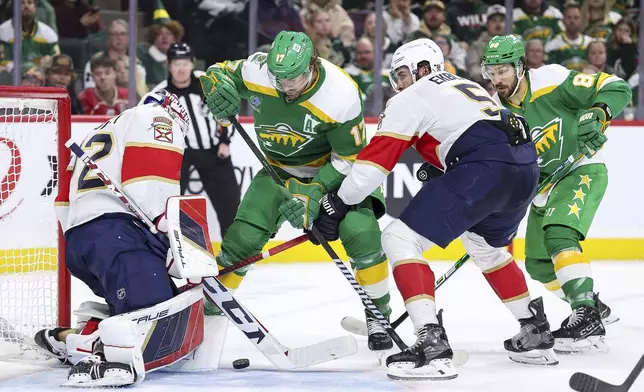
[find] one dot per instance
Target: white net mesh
(28, 226)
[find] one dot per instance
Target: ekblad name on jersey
(430, 115)
(142, 149)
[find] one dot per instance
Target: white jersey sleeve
(430, 115)
(142, 149)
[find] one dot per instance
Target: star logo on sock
(574, 210)
(579, 195)
(585, 180)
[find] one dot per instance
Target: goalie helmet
(413, 53)
(172, 105)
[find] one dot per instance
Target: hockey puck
(241, 363)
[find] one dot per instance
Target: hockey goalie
(147, 324)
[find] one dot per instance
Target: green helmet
(290, 55)
(504, 49)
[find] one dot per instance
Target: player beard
(506, 91)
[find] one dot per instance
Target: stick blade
(582, 382)
(321, 352)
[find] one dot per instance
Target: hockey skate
(430, 358)
(534, 342)
(378, 339)
(583, 331)
(93, 371)
(47, 340)
(607, 316)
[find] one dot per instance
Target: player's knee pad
(242, 240)
(558, 238)
(484, 255)
(400, 242)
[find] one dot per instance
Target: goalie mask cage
(35, 287)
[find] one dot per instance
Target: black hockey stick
(583, 382)
(366, 300)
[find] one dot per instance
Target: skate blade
(592, 344)
(610, 320)
(436, 370)
(112, 382)
(535, 357)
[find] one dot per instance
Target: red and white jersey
(142, 149)
(430, 115)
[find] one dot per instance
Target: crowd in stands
(589, 36)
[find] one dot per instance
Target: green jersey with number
(543, 27)
(553, 102)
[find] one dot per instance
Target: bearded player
(568, 113)
(490, 178)
(309, 124)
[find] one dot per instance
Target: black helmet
(179, 50)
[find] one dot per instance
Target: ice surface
(304, 303)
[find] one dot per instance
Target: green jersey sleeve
(581, 91)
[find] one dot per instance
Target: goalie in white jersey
(490, 177)
(116, 255)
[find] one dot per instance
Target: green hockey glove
(222, 97)
(303, 208)
(590, 135)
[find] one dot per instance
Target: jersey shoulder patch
(547, 77)
(338, 99)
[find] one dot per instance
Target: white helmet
(411, 54)
(172, 105)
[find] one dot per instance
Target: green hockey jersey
(325, 124)
(543, 27)
(569, 53)
(553, 102)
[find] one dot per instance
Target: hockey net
(34, 283)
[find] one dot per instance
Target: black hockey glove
(332, 212)
(427, 171)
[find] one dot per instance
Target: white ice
(304, 303)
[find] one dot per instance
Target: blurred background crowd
(83, 45)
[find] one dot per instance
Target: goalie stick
(583, 382)
(279, 355)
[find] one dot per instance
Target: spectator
(444, 44)
(370, 33)
(32, 76)
(39, 41)
(596, 55)
(568, 48)
(45, 13)
(401, 22)
(535, 19)
(341, 24)
(318, 27)
(361, 70)
(622, 48)
(278, 15)
(535, 54)
(161, 35)
(60, 73)
(206, 143)
(433, 24)
(495, 26)
(123, 77)
(597, 18)
(117, 45)
(77, 19)
(106, 98)
(467, 18)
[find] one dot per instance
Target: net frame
(63, 113)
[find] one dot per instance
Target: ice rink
(303, 303)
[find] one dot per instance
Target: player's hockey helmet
(172, 105)
(289, 62)
(413, 53)
(504, 49)
(180, 50)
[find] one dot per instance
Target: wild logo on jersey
(549, 141)
(284, 140)
(538, 32)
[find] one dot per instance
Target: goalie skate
(47, 342)
(93, 371)
(534, 342)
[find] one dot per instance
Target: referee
(207, 142)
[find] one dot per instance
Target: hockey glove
(590, 135)
(222, 97)
(302, 209)
(331, 214)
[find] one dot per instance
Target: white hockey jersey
(430, 115)
(142, 149)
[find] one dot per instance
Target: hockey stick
(366, 300)
(358, 327)
(583, 382)
(278, 354)
(261, 256)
